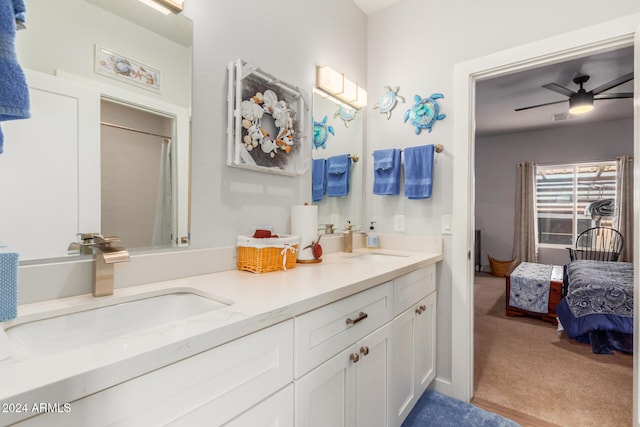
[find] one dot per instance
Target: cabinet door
(426, 343)
(325, 396)
(405, 331)
(413, 357)
(276, 411)
(373, 378)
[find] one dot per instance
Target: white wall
(287, 39)
(496, 159)
(415, 44)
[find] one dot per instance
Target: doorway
(612, 35)
(502, 342)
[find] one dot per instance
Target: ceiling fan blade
(615, 96)
(539, 105)
(613, 83)
(560, 89)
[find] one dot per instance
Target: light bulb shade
(164, 6)
(340, 87)
(581, 103)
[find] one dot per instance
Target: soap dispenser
(372, 237)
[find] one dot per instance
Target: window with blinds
(562, 194)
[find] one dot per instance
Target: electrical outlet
(445, 224)
(398, 223)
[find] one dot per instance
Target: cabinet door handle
(361, 317)
(354, 357)
(419, 310)
(423, 307)
(364, 350)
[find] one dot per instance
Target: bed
(598, 306)
(534, 290)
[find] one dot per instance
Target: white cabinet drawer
(275, 411)
(412, 287)
(209, 388)
(322, 333)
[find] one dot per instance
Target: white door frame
(602, 37)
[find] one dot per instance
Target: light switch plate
(398, 223)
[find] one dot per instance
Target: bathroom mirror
(56, 188)
(342, 137)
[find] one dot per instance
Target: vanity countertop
(259, 301)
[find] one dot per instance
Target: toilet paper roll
(304, 223)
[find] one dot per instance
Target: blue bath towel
(8, 284)
(418, 171)
(338, 168)
(14, 93)
(386, 171)
(318, 180)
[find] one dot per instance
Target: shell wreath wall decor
(388, 100)
(267, 122)
(425, 112)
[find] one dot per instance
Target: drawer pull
(364, 350)
(354, 357)
(361, 316)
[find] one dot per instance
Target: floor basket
(269, 254)
(501, 268)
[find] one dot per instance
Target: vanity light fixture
(340, 87)
(164, 6)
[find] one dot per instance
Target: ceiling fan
(582, 101)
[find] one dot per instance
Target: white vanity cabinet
(210, 388)
(414, 332)
(343, 361)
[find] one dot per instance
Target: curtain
(525, 233)
(623, 215)
(162, 228)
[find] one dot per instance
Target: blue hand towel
(8, 285)
(318, 180)
(386, 171)
(14, 93)
(418, 171)
(338, 168)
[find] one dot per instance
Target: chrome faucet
(106, 255)
(84, 246)
(347, 237)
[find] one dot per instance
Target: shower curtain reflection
(137, 186)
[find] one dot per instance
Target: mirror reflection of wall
(53, 158)
(345, 140)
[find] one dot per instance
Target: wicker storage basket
(501, 268)
(269, 254)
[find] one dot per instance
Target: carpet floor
(524, 364)
(438, 410)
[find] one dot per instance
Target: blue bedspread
(598, 307)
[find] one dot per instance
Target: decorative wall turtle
(321, 131)
(346, 114)
(425, 112)
(388, 100)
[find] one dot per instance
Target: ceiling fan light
(581, 103)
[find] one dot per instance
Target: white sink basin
(107, 318)
(375, 257)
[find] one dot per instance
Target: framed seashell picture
(268, 124)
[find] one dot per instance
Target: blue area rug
(438, 410)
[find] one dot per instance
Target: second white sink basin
(120, 316)
(375, 256)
